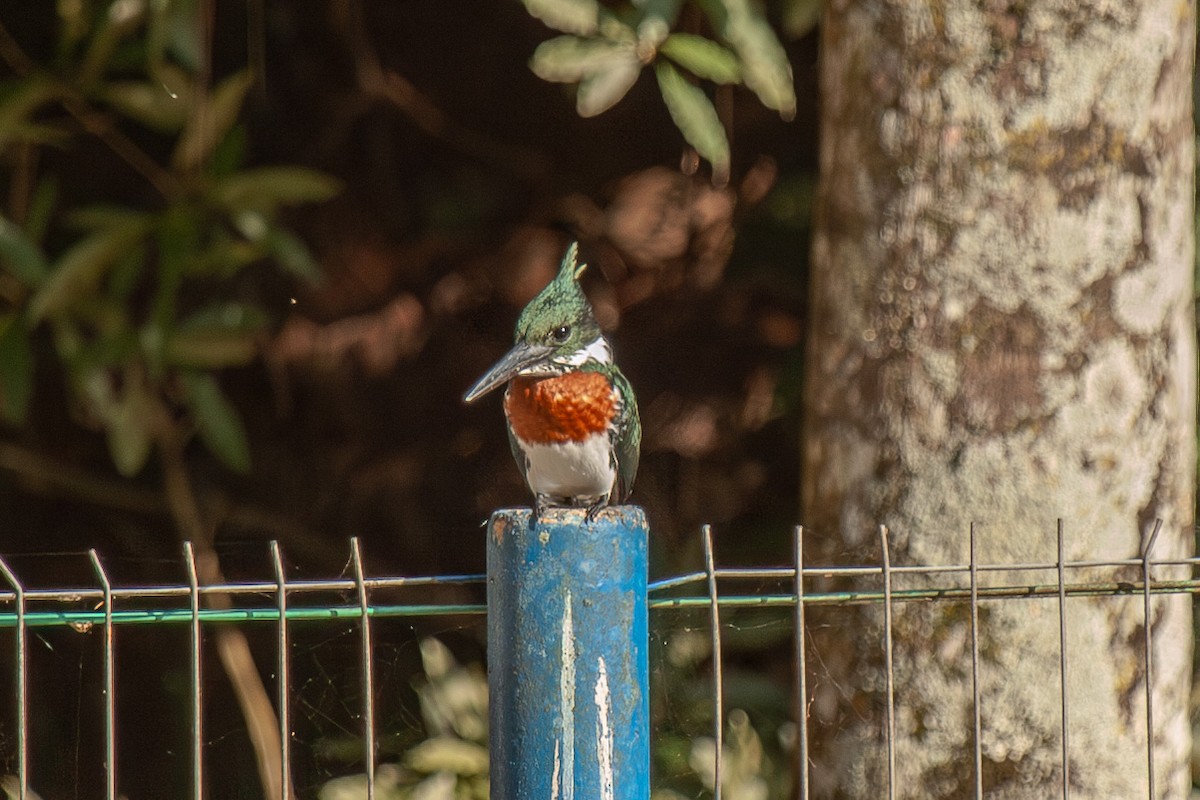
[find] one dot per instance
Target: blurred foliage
(140, 298)
(451, 763)
(603, 51)
(758, 734)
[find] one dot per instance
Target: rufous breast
(560, 408)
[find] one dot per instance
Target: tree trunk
(1003, 332)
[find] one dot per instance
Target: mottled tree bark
(1003, 332)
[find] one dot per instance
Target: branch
(232, 647)
(375, 80)
(50, 477)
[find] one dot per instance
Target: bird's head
(557, 332)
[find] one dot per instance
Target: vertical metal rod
(976, 705)
(801, 665)
(22, 679)
(1062, 660)
(718, 679)
(189, 557)
(110, 688)
(368, 672)
(890, 676)
(1147, 612)
(281, 645)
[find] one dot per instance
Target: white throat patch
(599, 350)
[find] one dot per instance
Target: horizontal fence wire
(87, 617)
(282, 601)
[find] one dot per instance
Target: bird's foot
(594, 509)
(541, 502)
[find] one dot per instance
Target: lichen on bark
(1003, 333)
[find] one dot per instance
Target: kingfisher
(572, 416)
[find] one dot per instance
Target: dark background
(430, 252)
(465, 177)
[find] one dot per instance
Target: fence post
(568, 669)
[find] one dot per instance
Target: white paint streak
(566, 707)
(555, 785)
(604, 732)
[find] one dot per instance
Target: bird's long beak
(521, 357)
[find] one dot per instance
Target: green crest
(560, 316)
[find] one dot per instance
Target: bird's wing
(628, 444)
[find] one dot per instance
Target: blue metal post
(568, 670)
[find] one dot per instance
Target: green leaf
(219, 335)
(568, 59)
(35, 133)
(126, 272)
(68, 341)
(205, 129)
(654, 22)
(695, 117)
(177, 240)
(766, 70)
(127, 426)
(20, 255)
(81, 268)
(183, 34)
(157, 32)
(150, 103)
(288, 250)
(120, 20)
(800, 17)
(116, 347)
(99, 217)
(217, 421)
(292, 254)
(41, 208)
(18, 104)
(172, 30)
(702, 57)
(602, 89)
(666, 11)
(569, 16)
(231, 316)
(266, 188)
(230, 152)
(16, 370)
(225, 256)
(211, 349)
(74, 19)
(447, 754)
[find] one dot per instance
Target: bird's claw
(594, 510)
(542, 503)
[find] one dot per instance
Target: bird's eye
(561, 334)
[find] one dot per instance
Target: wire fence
(280, 602)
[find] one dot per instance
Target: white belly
(572, 469)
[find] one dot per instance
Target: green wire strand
(83, 619)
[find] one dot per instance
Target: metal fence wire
(113, 610)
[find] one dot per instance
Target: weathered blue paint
(567, 655)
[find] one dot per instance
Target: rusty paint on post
(567, 655)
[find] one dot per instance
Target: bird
(572, 416)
